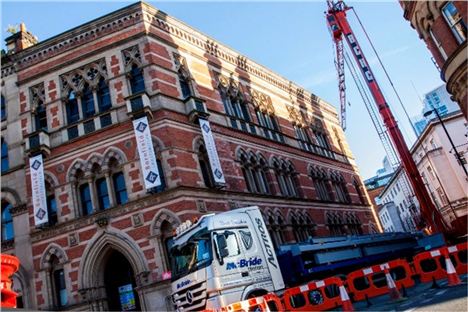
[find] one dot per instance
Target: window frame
(452, 23)
(7, 224)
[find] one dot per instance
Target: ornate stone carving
(262, 102)
(73, 239)
(230, 86)
(103, 221)
(137, 219)
(295, 116)
(76, 79)
(131, 56)
(37, 95)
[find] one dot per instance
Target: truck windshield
(193, 255)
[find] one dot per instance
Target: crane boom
(339, 26)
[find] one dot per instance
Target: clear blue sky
(290, 38)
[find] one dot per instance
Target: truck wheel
(256, 293)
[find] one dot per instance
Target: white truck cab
(221, 259)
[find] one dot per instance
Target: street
(423, 298)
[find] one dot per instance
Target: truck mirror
(222, 247)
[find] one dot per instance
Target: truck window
(232, 245)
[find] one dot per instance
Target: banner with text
(36, 166)
(146, 153)
(212, 151)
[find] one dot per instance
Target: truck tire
(256, 293)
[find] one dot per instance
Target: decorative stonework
(131, 56)
(89, 33)
(137, 220)
(76, 79)
(295, 116)
(262, 102)
(201, 206)
(230, 86)
(73, 239)
(37, 95)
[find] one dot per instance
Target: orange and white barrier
(374, 281)
(459, 253)
(267, 303)
(317, 296)
(428, 265)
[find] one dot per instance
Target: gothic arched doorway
(119, 281)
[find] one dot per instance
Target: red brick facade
(137, 229)
(446, 43)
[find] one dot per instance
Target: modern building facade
(442, 26)
(436, 99)
(225, 132)
(404, 208)
(442, 172)
(390, 218)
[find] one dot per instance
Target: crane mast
(339, 26)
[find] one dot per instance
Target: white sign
(146, 152)
(36, 166)
(212, 151)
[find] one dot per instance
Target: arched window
(87, 102)
(354, 224)
(235, 106)
(339, 185)
(8, 232)
(276, 227)
(51, 205)
(357, 187)
(255, 173)
(40, 117)
(303, 137)
(57, 277)
(103, 96)
(102, 194)
(3, 108)
(137, 81)
(5, 162)
(71, 107)
(84, 194)
(205, 167)
(335, 224)
(320, 179)
(270, 125)
(120, 189)
(286, 178)
(184, 83)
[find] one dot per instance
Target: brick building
(73, 99)
(442, 26)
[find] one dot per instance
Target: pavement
(423, 297)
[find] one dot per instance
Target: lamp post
(457, 155)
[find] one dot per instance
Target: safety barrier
(372, 282)
(430, 265)
(267, 303)
(458, 254)
(314, 296)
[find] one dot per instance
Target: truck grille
(197, 295)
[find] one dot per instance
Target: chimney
(20, 40)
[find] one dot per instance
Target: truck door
(232, 258)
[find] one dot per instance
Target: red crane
(339, 26)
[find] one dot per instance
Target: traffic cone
(452, 277)
(392, 289)
(345, 301)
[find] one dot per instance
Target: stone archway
(91, 274)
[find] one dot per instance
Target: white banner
(36, 167)
(212, 151)
(146, 153)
